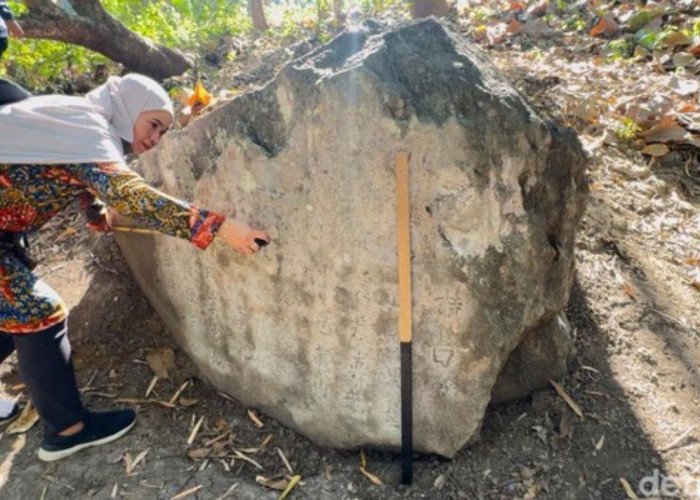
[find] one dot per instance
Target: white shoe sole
(52, 456)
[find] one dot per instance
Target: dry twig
(194, 432)
(284, 459)
(179, 391)
(295, 480)
(183, 494)
(679, 439)
(565, 397)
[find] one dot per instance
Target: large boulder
(306, 331)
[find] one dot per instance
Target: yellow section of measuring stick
(403, 232)
(129, 229)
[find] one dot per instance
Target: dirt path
(637, 377)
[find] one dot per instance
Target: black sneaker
(100, 428)
(9, 411)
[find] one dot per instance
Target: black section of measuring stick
(260, 242)
(406, 414)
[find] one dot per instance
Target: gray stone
(545, 352)
(306, 331)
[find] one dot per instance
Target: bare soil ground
(634, 307)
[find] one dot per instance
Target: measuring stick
(129, 229)
(403, 232)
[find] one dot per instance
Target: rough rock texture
(307, 330)
(544, 353)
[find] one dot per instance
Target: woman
(53, 150)
(8, 26)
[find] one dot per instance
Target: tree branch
(86, 22)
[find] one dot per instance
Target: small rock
(528, 472)
(439, 482)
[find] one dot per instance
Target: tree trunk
(86, 23)
(338, 13)
(427, 8)
(257, 15)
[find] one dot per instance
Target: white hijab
(56, 129)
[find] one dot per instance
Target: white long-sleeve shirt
(5, 14)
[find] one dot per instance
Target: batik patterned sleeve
(128, 194)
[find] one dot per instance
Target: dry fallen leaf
(161, 362)
(599, 444)
(439, 482)
(515, 27)
(683, 86)
(607, 26)
(676, 39)
(187, 402)
(628, 489)
(665, 131)
(258, 423)
(371, 476)
(198, 453)
(25, 421)
(128, 463)
(656, 149)
(683, 60)
(199, 99)
(274, 483)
